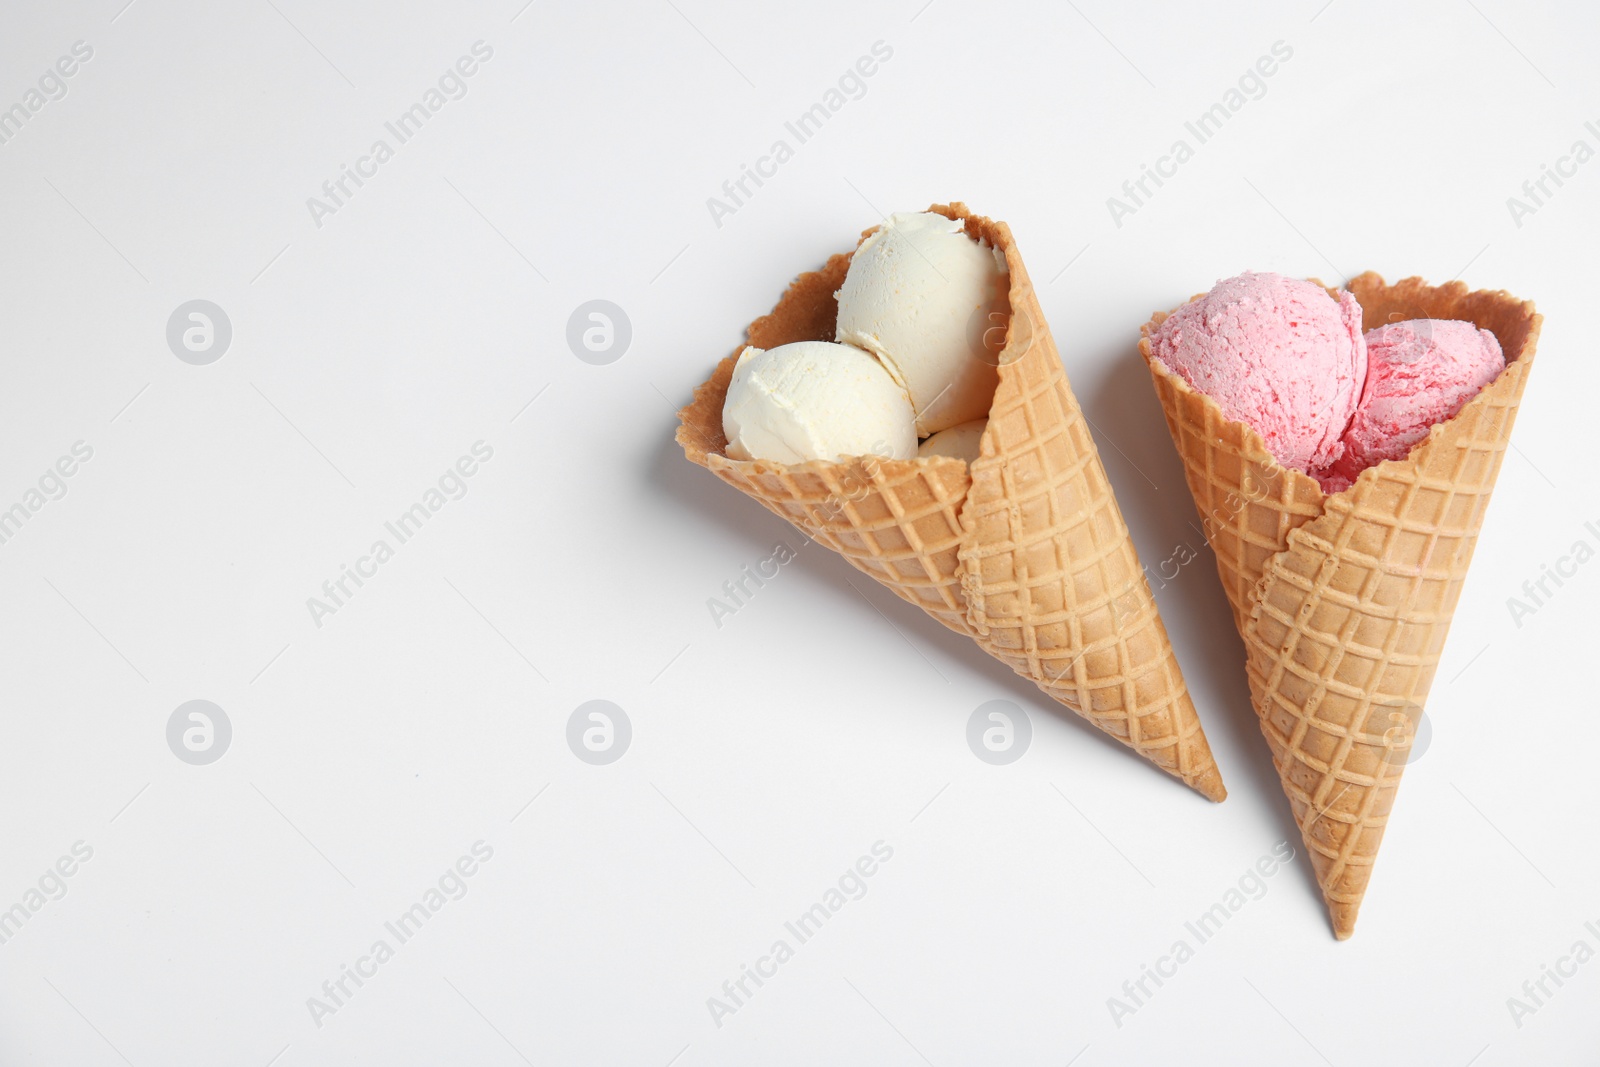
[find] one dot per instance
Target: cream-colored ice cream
(958, 442)
(815, 400)
(932, 304)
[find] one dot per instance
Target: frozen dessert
(959, 442)
(1419, 373)
(921, 319)
(1344, 598)
(915, 289)
(1278, 354)
(1024, 551)
(815, 400)
(1289, 361)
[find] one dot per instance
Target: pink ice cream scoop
(1277, 354)
(1419, 373)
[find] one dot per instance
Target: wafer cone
(1025, 552)
(1344, 600)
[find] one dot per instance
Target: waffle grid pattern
(1351, 623)
(897, 522)
(1048, 597)
(1248, 504)
(1054, 583)
(1344, 623)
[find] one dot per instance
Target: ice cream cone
(1025, 552)
(1344, 600)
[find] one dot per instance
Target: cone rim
(1522, 354)
(711, 453)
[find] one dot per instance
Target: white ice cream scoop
(958, 442)
(815, 400)
(932, 304)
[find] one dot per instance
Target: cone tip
(1210, 786)
(1344, 919)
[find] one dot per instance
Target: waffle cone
(1025, 552)
(1344, 600)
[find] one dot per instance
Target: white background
(372, 751)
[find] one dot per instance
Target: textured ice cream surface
(958, 442)
(1278, 354)
(1419, 373)
(815, 400)
(933, 305)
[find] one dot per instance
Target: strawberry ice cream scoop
(1276, 353)
(1419, 373)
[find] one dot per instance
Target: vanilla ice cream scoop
(958, 442)
(932, 304)
(815, 400)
